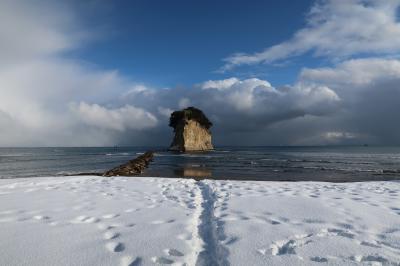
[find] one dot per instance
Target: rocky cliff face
(192, 131)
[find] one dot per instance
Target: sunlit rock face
(192, 130)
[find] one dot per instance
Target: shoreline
(143, 175)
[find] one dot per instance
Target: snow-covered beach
(90, 220)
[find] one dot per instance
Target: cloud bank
(49, 99)
(370, 89)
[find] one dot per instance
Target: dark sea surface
(331, 163)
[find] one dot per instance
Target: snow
(309, 223)
(90, 220)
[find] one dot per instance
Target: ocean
(327, 163)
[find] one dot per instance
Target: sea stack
(192, 130)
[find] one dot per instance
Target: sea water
(327, 163)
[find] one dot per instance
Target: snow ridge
(213, 253)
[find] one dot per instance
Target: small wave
(119, 153)
(391, 171)
(326, 162)
(61, 173)
(195, 156)
(350, 170)
(274, 160)
(14, 155)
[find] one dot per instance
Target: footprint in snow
(92, 220)
(110, 216)
(162, 222)
(319, 259)
(162, 260)
(131, 261)
(40, 217)
(173, 252)
(110, 235)
(102, 226)
(85, 219)
(130, 210)
(115, 246)
(371, 259)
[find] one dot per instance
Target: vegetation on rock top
(190, 113)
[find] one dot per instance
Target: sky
(105, 73)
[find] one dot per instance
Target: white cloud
(357, 72)
(259, 97)
(38, 82)
(36, 98)
(219, 84)
(29, 30)
(337, 29)
(335, 136)
(136, 90)
(237, 93)
(120, 119)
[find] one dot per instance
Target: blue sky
(169, 43)
(104, 73)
